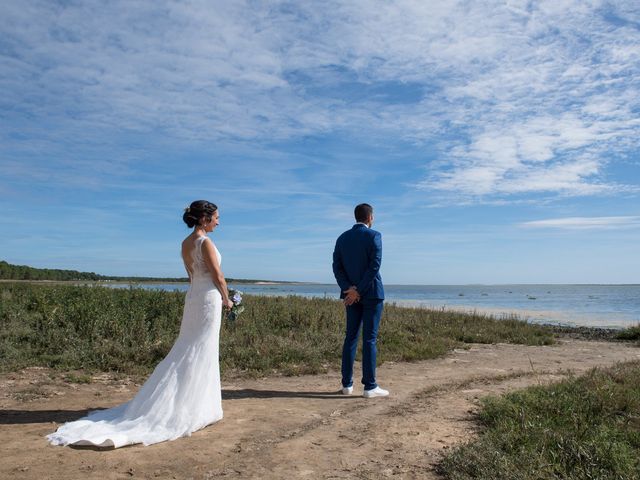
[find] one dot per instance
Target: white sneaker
(347, 390)
(375, 392)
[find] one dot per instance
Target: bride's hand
(227, 303)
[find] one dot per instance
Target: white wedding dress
(182, 394)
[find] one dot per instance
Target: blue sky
(497, 141)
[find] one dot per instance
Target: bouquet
(234, 312)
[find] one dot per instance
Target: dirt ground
(291, 427)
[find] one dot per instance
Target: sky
(498, 141)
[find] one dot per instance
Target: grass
(130, 330)
(631, 333)
(582, 428)
(72, 377)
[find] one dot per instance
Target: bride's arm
(209, 255)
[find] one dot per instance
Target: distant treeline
(24, 272)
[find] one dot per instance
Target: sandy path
(294, 427)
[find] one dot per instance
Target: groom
(356, 266)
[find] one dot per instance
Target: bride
(183, 393)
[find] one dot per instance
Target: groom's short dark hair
(363, 212)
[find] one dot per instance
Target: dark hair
(363, 212)
(198, 209)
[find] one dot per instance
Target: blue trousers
(365, 313)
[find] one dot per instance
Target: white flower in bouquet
(238, 308)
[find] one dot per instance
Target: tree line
(24, 272)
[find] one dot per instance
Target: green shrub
(582, 428)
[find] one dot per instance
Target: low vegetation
(131, 330)
(9, 271)
(582, 428)
(631, 333)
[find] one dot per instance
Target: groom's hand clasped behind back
(352, 296)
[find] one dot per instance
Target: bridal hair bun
(198, 209)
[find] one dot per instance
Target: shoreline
(539, 317)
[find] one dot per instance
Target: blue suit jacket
(356, 261)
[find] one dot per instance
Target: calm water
(614, 306)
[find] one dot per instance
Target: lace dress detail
(198, 266)
(182, 394)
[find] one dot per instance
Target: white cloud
(516, 98)
(549, 112)
(585, 223)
